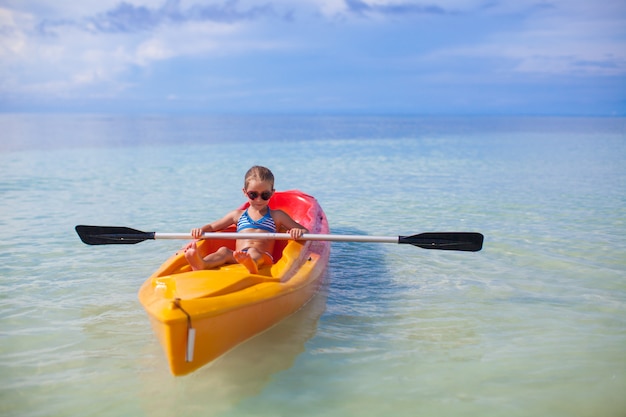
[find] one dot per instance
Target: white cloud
(189, 39)
(69, 56)
(330, 8)
(574, 38)
(72, 9)
(12, 38)
(102, 47)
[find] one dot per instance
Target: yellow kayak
(200, 315)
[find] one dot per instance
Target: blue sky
(459, 57)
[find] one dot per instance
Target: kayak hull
(200, 315)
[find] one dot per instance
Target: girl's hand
(196, 233)
(296, 233)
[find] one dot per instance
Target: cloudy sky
(563, 57)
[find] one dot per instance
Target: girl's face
(259, 193)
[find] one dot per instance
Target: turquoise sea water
(533, 325)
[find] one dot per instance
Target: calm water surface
(534, 325)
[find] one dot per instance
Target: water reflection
(241, 373)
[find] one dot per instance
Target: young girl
(252, 253)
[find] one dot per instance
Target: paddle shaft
(281, 236)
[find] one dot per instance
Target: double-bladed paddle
(109, 235)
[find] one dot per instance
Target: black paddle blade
(470, 242)
(111, 235)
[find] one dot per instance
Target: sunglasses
(253, 195)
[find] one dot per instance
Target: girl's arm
(295, 229)
(221, 224)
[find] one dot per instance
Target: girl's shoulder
(275, 212)
(279, 216)
(236, 214)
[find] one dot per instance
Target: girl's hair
(258, 173)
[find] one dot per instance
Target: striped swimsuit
(264, 223)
